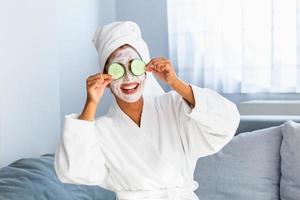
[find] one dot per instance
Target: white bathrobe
(154, 161)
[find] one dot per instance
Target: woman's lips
(129, 88)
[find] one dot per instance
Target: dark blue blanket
(35, 179)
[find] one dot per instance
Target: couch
(261, 164)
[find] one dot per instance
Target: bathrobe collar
(140, 138)
(147, 122)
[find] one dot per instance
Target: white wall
(46, 54)
(29, 79)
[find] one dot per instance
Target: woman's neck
(132, 110)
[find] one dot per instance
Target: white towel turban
(113, 35)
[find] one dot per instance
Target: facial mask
(129, 87)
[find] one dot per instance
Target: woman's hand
(95, 85)
(163, 69)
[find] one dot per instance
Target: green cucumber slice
(138, 67)
(116, 70)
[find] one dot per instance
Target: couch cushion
(34, 178)
(247, 168)
(290, 161)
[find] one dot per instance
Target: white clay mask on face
(129, 88)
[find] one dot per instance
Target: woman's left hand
(162, 68)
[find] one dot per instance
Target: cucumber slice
(138, 67)
(116, 70)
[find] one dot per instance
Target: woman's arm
(163, 69)
(207, 121)
(184, 90)
(89, 111)
(206, 128)
(95, 86)
(78, 158)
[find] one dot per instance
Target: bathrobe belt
(174, 193)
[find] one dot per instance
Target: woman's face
(129, 88)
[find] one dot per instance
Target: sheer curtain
(236, 46)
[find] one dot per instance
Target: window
(236, 46)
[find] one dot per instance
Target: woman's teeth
(129, 89)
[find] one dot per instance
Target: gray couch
(260, 165)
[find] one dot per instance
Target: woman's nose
(127, 76)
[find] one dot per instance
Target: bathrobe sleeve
(210, 125)
(78, 158)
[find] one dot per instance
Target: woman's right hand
(95, 85)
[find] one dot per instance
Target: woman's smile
(129, 88)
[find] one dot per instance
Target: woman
(144, 147)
